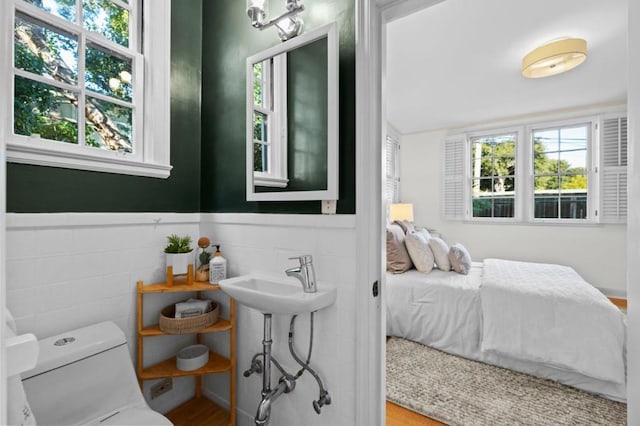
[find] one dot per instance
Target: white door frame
(371, 19)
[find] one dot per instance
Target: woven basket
(172, 325)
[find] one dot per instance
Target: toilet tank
(82, 375)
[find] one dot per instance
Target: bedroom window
(561, 171)
(569, 171)
(78, 83)
(493, 176)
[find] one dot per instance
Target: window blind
(613, 167)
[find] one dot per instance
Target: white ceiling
(458, 63)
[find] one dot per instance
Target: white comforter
(548, 314)
(539, 319)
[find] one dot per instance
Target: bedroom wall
(597, 252)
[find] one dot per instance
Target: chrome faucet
(305, 273)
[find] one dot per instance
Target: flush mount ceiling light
(555, 57)
(289, 24)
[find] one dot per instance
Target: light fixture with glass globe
(289, 24)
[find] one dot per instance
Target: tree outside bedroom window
(493, 170)
(560, 174)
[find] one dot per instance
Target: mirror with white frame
(292, 119)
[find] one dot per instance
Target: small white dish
(192, 357)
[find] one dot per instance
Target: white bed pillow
(460, 259)
(420, 252)
(440, 253)
(424, 233)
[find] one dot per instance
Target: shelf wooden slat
(220, 325)
(216, 364)
(178, 286)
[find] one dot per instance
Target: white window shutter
(613, 170)
(454, 177)
(392, 165)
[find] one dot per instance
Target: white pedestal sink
(271, 295)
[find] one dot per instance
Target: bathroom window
(78, 84)
(270, 122)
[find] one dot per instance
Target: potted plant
(178, 253)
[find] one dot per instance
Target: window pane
(546, 140)
(260, 163)
(45, 110)
(43, 50)
(574, 183)
(545, 163)
(546, 207)
(481, 186)
(573, 206)
(482, 207)
(503, 207)
(108, 19)
(65, 9)
(108, 73)
(507, 184)
(544, 184)
(109, 126)
(259, 127)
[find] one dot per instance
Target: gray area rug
(458, 391)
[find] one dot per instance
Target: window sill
(17, 153)
(269, 181)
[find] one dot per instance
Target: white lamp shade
(401, 212)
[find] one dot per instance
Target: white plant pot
(179, 262)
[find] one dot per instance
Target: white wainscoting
(69, 270)
(264, 243)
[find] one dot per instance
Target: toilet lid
(137, 417)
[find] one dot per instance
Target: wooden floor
(198, 412)
(202, 412)
(398, 416)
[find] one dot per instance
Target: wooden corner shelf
(167, 368)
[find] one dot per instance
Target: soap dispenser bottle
(217, 267)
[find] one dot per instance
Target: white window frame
(151, 155)
(592, 167)
(275, 78)
(606, 192)
(468, 201)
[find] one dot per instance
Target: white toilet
(86, 377)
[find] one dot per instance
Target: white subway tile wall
(266, 247)
(70, 270)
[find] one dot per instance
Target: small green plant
(176, 244)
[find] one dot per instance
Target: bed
(540, 319)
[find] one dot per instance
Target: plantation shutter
(392, 162)
(454, 177)
(613, 179)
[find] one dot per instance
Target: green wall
(228, 39)
(210, 43)
(48, 189)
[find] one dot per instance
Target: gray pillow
(460, 259)
(419, 251)
(398, 259)
(440, 252)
